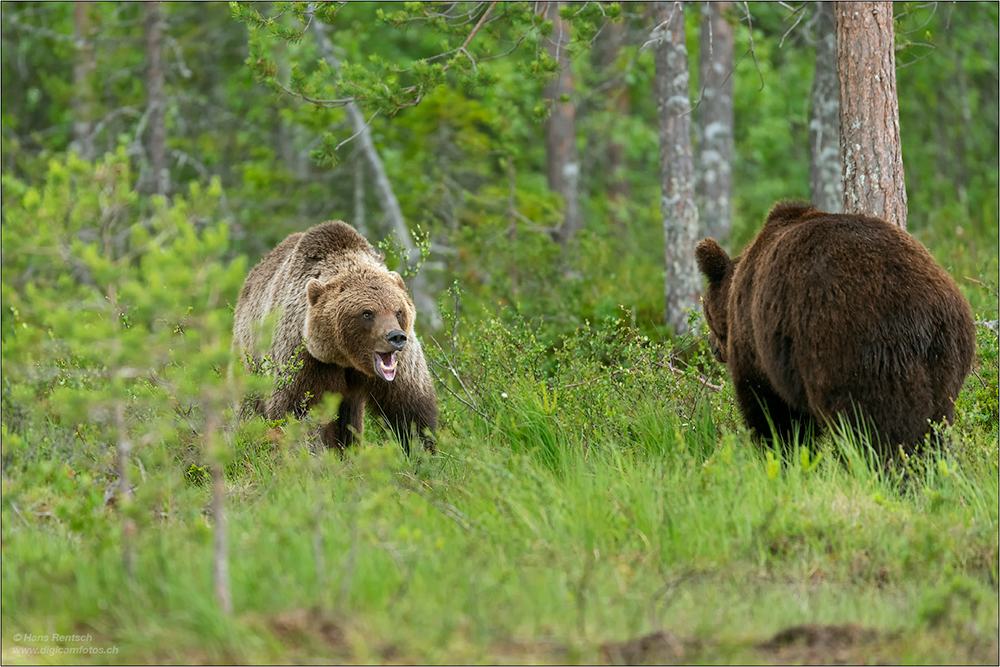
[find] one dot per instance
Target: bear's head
(359, 319)
(715, 264)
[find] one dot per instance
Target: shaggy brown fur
(829, 315)
(333, 291)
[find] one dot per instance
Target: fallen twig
(447, 509)
(697, 376)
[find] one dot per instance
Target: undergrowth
(589, 488)
(585, 491)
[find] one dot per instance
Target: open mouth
(385, 365)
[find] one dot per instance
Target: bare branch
(752, 52)
(473, 33)
(360, 130)
(471, 403)
(797, 21)
(696, 376)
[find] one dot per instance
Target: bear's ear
(398, 279)
(712, 260)
(314, 290)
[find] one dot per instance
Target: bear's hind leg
(768, 415)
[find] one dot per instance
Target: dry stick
(472, 34)
(752, 52)
(451, 367)
(459, 398)
(125, 489)
(669, 366)
(317, 544)
(220, 558)
(979, 378)
(980, 283)
(797, 21)
(581, 594)
(345, 583)
(447, 509)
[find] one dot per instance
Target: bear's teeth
(387, 371)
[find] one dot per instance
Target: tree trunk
(156, 103)
(360, 221)
(680, 215)
(83, 93)
(422, 299)
(563, 168)
(825, 187)
(869, 112)
(607, 51)
(714, 126)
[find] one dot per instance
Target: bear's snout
(397, 339)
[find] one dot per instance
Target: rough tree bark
(825, 187)
(563, 167)
(680, 215)
(607, 50)
(869, 112)
(714, 122)
(83, 92)
(422, 299)
(155, 101)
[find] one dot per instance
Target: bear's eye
(367, 315)
(399, 315)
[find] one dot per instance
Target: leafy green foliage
(593, 481)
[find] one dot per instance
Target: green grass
(593, 499)
(518, 542)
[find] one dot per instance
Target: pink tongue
(385, 364)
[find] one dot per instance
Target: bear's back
(849, 263)
(331, 248)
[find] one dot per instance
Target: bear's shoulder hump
(335, 237)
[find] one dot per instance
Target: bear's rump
(835, 328)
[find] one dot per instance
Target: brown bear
(345, 325)
(826, 316)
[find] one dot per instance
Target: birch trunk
(425, 304)
(869, 112)
(680, 215)
(714, 128)
(825, 188)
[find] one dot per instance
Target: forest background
(151, 154)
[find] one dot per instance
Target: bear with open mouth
(345, 325)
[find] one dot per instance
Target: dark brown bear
(827, 315)
(333, 292)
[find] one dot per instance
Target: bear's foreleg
(349, 426)
(408, 403)
(414, 418)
